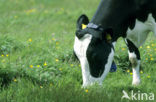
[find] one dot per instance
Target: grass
(36, 62)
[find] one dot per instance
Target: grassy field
(36, 62)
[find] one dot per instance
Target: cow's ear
(108, 35)
(82, 22)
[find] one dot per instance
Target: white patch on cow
(114, 43)
(135, 66)
(136, 74)
(141, 30)
(80, 48)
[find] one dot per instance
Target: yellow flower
(30, 11)
(148, 76)
(60, 69)
(15, 80)
(30, 40)
(152, 59)
(41, 87)
(79, 65)
(86, 90)
(15, 16)
(148, 47)
(31, 66)
(151, 55)
(38, 66)
(131, 73)
(51, 84)
(128, 70)
(123, 49)
(141, 72)
(62, 9)
(45, 63)
(153, 45)
(56, 60)
(84, 26)
(57, 43)
(71, 65)
(7, 55)
(141, 47)
(2, 55)
(53, 39)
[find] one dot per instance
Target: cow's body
(141, 30)
(130, 19)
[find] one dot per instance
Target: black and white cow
(130, 19)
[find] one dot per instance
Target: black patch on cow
(83, 19)
(132, 48)
(97, 56)
(122, 14)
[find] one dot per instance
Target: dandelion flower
(30, 40)
(86, 90)
(7, 55)
(152, 59)
(153, 45)
(15, 80)
(38, 66)
(56, 60)
(148, 76)
(41, 87)
(141, 72)
(30, 11)
(53, 39)
(79, 65)
(45, 63)
(51, 84)
(128, 70)
(71, 65)
(31, 66)
(15, 16)
(60, 69)
(151, 55)
(2, 55)
(123, 49)
(148, 47)
(57, 43)
(131, 73)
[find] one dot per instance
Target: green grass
(44, 70)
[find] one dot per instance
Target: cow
(94, 45)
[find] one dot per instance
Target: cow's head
(94, 49)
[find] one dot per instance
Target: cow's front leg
(134, 57)
(85, 72)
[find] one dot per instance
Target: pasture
(36, 61)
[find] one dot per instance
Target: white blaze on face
(80, 48)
